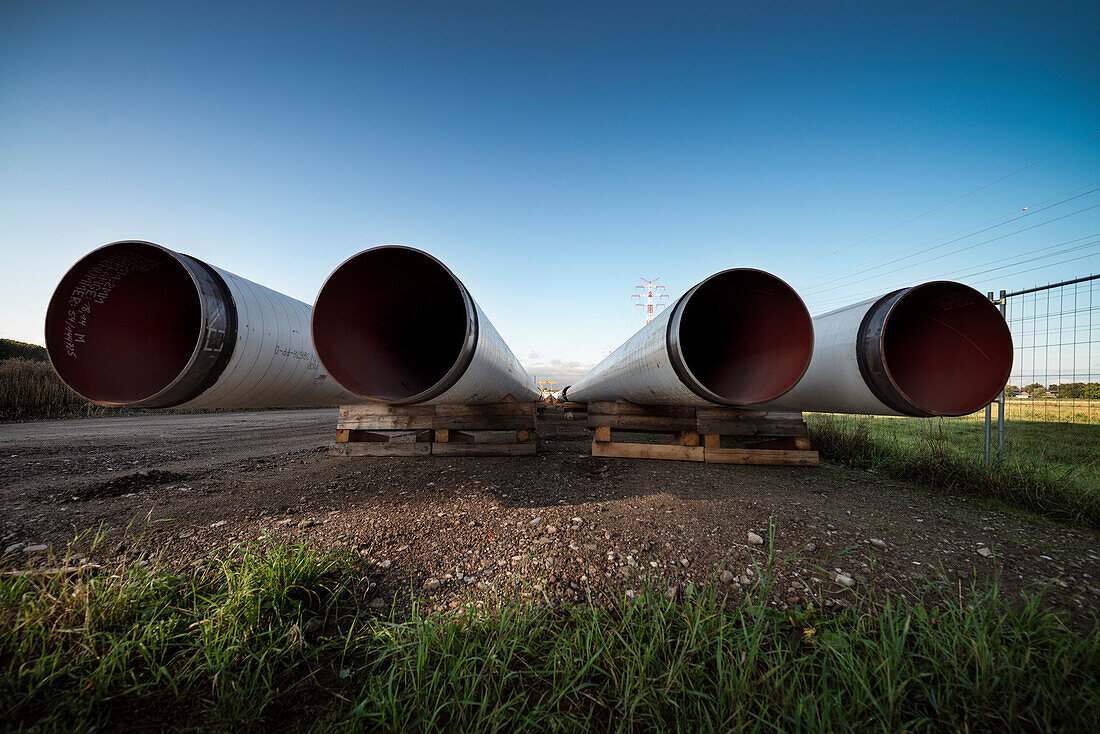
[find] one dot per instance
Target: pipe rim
(871, 350)
(466, 350)
(191, 380)
(675, 346)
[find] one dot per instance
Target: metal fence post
(989, 413)
(1002, 302)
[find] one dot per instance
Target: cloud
(559, 370)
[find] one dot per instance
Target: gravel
(190, 486)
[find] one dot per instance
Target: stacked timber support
(696, 433)
(574, 411)
(506, 428)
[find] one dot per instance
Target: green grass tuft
(929, 452)
(274, 637)
(82, 649)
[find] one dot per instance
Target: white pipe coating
(394, 325)
(940, 348)
(739, 337)
(136, 324)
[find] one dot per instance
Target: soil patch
(561, 525)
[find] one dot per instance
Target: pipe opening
(947, 348)
(123, 323)
(391, 323)
(746, 336)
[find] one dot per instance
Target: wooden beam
(624, 408)
(385, 422)
(366, 448)
(646, 451)
(712, 441)
(735, 422)
(505, 428)
(790, 443)
(664, 424)
(752, 428)
(516, 409)
(484, 449)
(508, 415)
(371, 410)
(761, 456)
(720, 413)
(603, 434)
(484, 422)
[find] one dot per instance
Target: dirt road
(557, 525)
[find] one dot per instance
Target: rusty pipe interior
(742, 335)
(393, 324)
(123, 324)
(942, 348)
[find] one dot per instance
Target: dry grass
(1052, 410)
(32, 390)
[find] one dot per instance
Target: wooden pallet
(695, 434)
(506, 428)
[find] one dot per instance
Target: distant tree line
(11, 349)
(1078, 390)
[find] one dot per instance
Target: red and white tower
(647, 298)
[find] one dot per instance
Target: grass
(31, 390)
(1048, 410)
(273, 637)
(1050, 468)
(223, 644)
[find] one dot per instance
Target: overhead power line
(1031, 211)
(1056, 253)
(829, 304)
(964, 249)
(954, 200)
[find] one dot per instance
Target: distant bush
(1077, 390)
(11, 349)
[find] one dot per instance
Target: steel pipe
(740, 337)
(393, 324)
(940, 348)
(136, 324)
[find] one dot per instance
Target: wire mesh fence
(1051, 406)
(1047, 422)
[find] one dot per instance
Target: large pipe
(940, 348)
(136, 324)
(394, 325)
(740, 337)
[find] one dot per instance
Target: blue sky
(551, 153)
